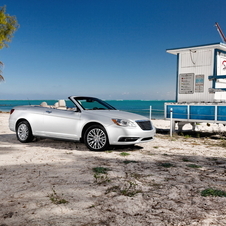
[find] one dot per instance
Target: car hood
(116, 114)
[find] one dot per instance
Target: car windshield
(90, 103)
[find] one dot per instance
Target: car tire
(96, 138)
(24, 132)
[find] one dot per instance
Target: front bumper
(119, 135)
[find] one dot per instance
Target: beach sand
(159, 183)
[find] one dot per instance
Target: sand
(59, 183)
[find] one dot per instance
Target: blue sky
(111, 49)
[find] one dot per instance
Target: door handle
(49, 111)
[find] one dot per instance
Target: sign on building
(186, 83)
(199, 83)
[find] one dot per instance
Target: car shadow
(10, 139)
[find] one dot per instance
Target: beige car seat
(62, 104)
(44, 104)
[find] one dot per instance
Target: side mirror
(75, 109)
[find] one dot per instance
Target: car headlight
(123, 122)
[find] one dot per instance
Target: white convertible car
(89, 120)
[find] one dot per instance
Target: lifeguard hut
(200, 84)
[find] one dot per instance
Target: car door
(61, 124)
(34, 115)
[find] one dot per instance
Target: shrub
(100, 169)
(194, 166)
(124, 154)
(213, 192)
(166, 164)
(56, 199)
(129, 161)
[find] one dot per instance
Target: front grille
(145, 124)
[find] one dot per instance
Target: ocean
(141, 107)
